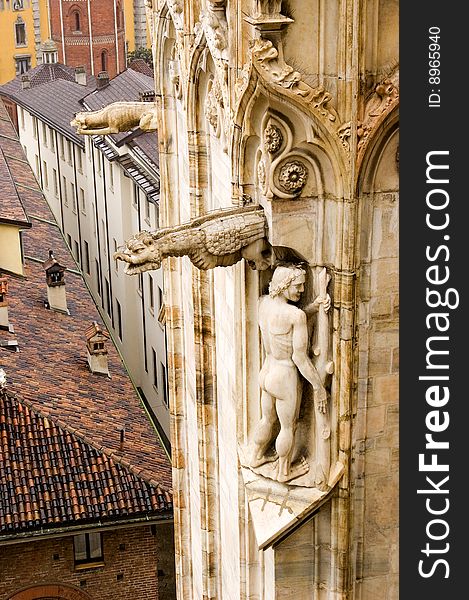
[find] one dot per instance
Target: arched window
(75, 20)
(104, 60)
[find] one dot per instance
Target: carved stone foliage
(218, 239)
(381, 101)
(215, 27)
(214, 106)
(116, 117)
(277, 72)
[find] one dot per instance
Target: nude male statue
(284, 335)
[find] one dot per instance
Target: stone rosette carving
(273, 138)
(218, 239)
(117, 117)
(292, 176)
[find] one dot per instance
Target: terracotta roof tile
(50, 477)
(11, 208)
(50, 375)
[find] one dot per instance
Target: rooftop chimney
(3, 380)
(4, 323)
(25, 82)
(148, 96)
(55, 279)
(80, 75)
(96, 339)
(102, 80)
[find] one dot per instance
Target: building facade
(92, 34)
(85, 482)
(288, 111)
(100, 191)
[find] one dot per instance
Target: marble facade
(290, 107)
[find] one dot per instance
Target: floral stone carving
(273, 138)
(292, 176)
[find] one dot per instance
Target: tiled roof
(50, 373)
(139, 65)
(54, 96)
(50, 477)
(125, 87)
(11, 209)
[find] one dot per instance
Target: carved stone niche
(289, 457)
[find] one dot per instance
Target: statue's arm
(303, 362)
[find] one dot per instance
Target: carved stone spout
(116, 117)
(218, 239)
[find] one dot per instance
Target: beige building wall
(97, 207)
(324, 74)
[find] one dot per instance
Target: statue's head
(79, 121)
(289, 281)
(141, 254)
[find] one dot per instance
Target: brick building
(90, 34)
(85, 483)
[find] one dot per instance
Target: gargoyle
(218, 239)
(116, 117)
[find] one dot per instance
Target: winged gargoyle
(218, 239)
(116, 117)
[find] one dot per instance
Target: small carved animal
(218, 239)
(116, 117)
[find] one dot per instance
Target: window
(80, 160)
(77, 251)
(165, 385)
(104, 60)
(34, 127)
(86, 257)
(44, 134)
(140, 283)
(64, 190)
(20, 32)
(82, 201)
(21, 115)
(108, 296)
(151, 293)
(88, 548)
(103, 234)
(62, 152)
(18, 4)
(155, 368)
(25, 150)
(74, 198)
(23, 64)
(147, 210)
(45, 175)
(98, 279)
(52, 140)
(116, 262)
(56, 182)
(111, 176)
(135, 196)
(69, 240)
(36, 162)
(160, 297)
(69, 149)
(119, 320)
(76, 21)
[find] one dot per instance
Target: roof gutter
(48, 533)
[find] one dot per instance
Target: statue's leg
(287, 411)
(263, 432)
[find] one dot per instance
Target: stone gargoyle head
(141, 254)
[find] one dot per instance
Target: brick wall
(130, 570)
(77, 42)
